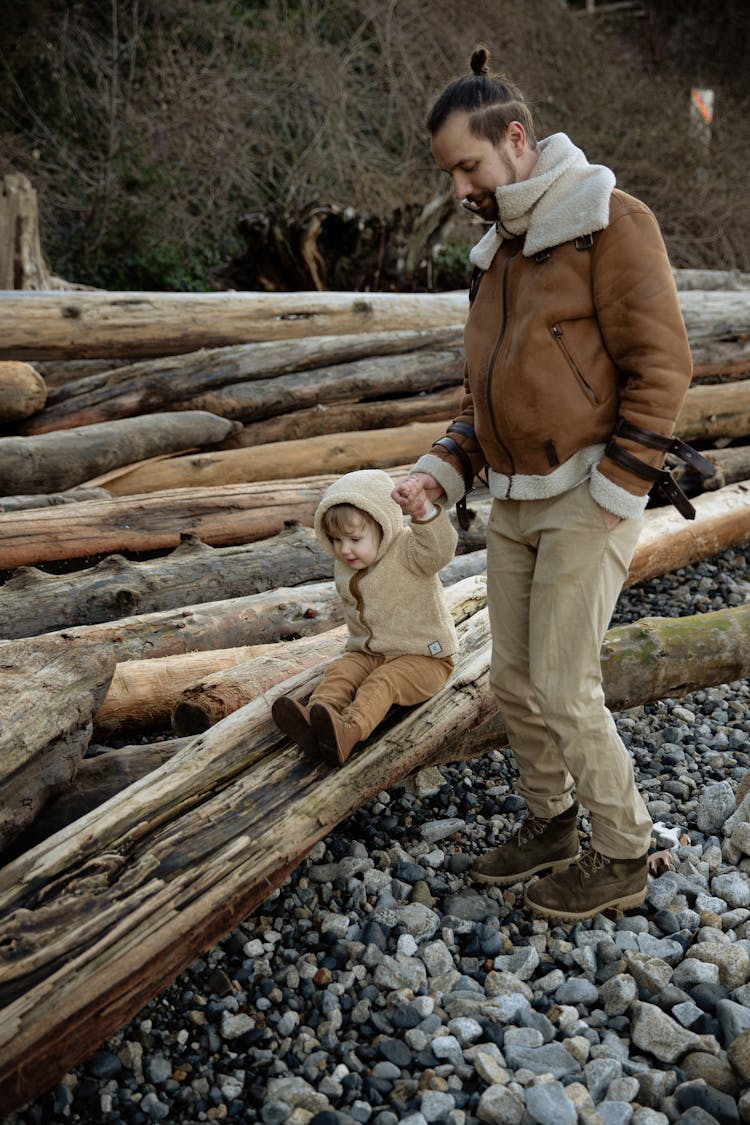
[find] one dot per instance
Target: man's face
(476, 165)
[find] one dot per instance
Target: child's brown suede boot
(335, 737)
(294, 720)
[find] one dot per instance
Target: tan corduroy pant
(363, 686)
(554, 571)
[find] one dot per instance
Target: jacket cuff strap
(672, 445)
(664, 480)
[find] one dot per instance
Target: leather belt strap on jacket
(467, 469)
(661, 477)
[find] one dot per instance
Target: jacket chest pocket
(566, 345)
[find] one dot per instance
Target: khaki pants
(363, 686)
(554, 571)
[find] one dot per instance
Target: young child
(401, 639)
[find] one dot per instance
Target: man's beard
(485, 206)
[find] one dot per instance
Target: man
(577, 364)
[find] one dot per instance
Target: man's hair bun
(479, 60)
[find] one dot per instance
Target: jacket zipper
(360, 602)
(557, 332)
(491, 368)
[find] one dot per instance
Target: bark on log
(52, 499)
(338, 418)
(47, 700)
(284, 460)
(140, 388)
(91, 325)
(22, 391)
(715, 410)
(109, 911)
(34, 602)
(52, 462)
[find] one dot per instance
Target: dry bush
(149, 127)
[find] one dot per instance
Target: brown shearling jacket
(562, 345)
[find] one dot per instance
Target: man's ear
(516, 135)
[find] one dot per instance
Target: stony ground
(379, 985)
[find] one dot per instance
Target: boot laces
(529, 828)
(590, 862)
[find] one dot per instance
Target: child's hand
(411, 497)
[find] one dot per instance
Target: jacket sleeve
(644, 332)
(430, 544)
(456, 458)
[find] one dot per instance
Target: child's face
(357, 546)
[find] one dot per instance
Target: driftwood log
(22, 391)
(156, 384)
(707, 280)
(52, 499)
(47, 703)
(48, 326)
(220, 516)
(342, 417)
(284, 460)
(731, 464)
(278, 614)
(91, 325)
(145, 693)
(98, 778)
(229, 514)
(355, 381)
(715, 410)
(34, 602)
(22, 264)
(52, 462)
(111, 909)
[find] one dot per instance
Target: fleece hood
(369, 490)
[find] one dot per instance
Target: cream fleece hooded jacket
(396, 605)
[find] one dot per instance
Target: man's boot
(537, 845)
(335, 737)
(294, 720)
(593, 884)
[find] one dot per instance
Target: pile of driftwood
(161, 458)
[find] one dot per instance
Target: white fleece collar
(563, 198)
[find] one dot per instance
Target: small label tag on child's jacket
(434, 647)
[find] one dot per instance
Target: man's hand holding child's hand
(411, 495)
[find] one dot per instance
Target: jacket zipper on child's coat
(360, 603)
